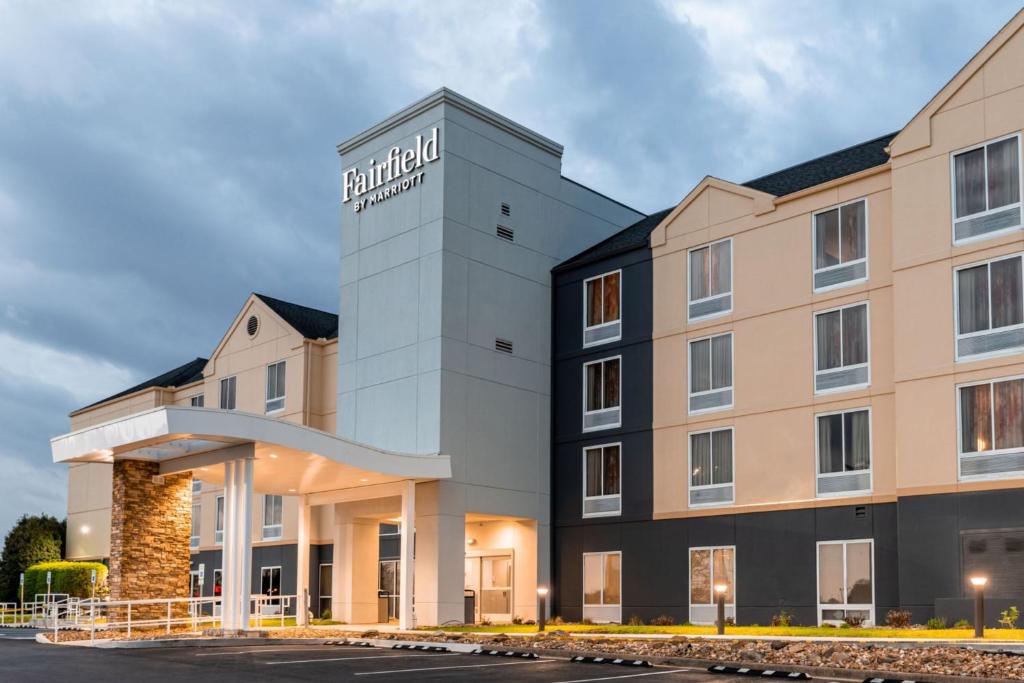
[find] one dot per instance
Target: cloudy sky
(160, 160)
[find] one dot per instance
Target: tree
(32, 539)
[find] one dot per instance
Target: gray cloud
(158, 161)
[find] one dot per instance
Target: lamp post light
(720, 589)
(979, 605)
(542, 600)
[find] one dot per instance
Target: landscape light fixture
(720, 589)
(979, 583)
(542, 603)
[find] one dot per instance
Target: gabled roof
(311, 323)
(625, 240)
(191, 371)
(825, 168)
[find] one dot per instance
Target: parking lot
(22, 659)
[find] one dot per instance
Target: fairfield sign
(397, 173)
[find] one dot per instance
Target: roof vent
(506, 233)
(252, 326)
(503, 345)
(506, 210)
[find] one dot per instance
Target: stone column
(151, 524)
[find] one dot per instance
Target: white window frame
(272, 604)
(271, 532)
(606, 323)
(583, 588)
(952, 190)
(281, 398)
(960, 455)
(197, 511)
(613, 496)
(320, 589)
(618, 408)
(689, 295)
(957, 336)
(220, 386)
(870, 471)
(844, 606)
(729, 606)
(814, 338)
(198, 397)
(707, 487)
(844, 264)
(689, 373)
(197, 487)
(219, 512)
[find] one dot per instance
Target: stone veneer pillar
(151, 524)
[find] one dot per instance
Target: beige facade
(909, 292)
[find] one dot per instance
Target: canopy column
(408, 566)
(237, 548)
(302, 564)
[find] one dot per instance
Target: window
(197, 401)
(711, 373)
(602, 315)
(710, 567)
(844, 452)
(219, 528)
(270, 586)
(602, 587)
(841, 349)
(275, 387)
(601, 481)
(325, 590)
(390, 530)
(194, 589)
(989, 308)
(986, 189)
(601, 380)
(218, 584)
(197, 487)
(711, 467)
(845, 583)
(710, 280)
(194, 539)
(389, 579)
(227, 393)
(992, 429)
(841, 245)
(272, 517)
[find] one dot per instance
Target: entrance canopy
(293, 459)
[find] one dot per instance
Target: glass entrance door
(490, 577)
(390, 580)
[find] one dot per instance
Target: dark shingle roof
(311, 323)
(629, 238)
(191, 371)
(825, 168)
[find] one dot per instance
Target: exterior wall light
(542, 600)
(84, 529)
(720, 589)
(979, 583)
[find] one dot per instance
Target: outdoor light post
(720, 589)
(542, 600)
(979, 605)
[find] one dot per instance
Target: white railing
(12, 614)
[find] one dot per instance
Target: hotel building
(808, 387)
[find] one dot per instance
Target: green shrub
(72, 578)
(962, 623)
(783, 618)
(935, 623)
(1008, 618)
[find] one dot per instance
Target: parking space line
(294, 648)
(614, 678)
(464, 666)
(348, 659)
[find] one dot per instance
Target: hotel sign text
(397, 173)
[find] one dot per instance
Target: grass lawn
(799, 631)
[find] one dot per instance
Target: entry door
(390, 580)
(270, 585)
(491, 577)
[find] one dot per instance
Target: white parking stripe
(294, 648)
(614, 678)
(465, 666)
(345, 659)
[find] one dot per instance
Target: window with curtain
(601, 389)
(197, 401)
(325, 590)
(845, 576)
(711, 364)
(844, 442)
(602, 467)
(602, 578)
(272, 511)
(841, 348)
(708, 568)
(219, 523)
(989, 297)
(602, 299)
(711, 458)
(840, 242)
(992, 417)
(986, 187)
(194, 539)
(275, 386)
(227, 393)
(711, 271)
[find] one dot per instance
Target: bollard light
(720, 589)
(979, 583)
(542, 599)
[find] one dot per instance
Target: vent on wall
(506, 210)
(503, 345)
(505, 233)
(860, 511)
(252, 325)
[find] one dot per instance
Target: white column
(302, 564)
(405, 615)
(245, 546)
(228, 587)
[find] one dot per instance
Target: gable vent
(252, 325)
(503, 345)
(506, 210)
(505, 233)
